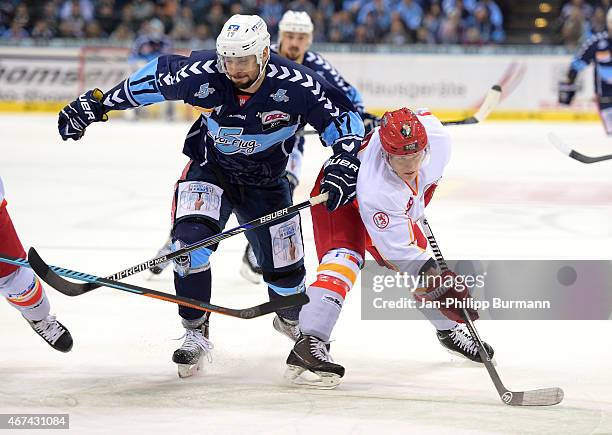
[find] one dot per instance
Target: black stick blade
(50, 275)
(569, 151)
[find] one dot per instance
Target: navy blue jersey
(318, 64)
(250, 143)
(596, 49)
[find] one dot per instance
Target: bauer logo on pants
(198, 198)
(287, 247)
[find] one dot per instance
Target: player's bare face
(242, 71)
(406, 167)
(294, 45)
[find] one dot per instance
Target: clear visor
(407, 163)
(242, 63)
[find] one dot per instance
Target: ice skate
(196, 347)
(289, 328)
(53, 332)
(250, 270)
(309, 364)
(458, 341)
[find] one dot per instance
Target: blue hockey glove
(76, 116)
(340, 180)
(566, 92)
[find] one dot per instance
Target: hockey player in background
(23, 290)
(597, 49)
(151, 44)
(402, 162)
(294, 40)
(252, 102)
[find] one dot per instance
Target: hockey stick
(568, 151)
(51, 275)
(488, 105)
(541, 397)
(76, 289)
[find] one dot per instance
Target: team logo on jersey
(280, 96)
(381, 220)
(274, 119)
(205, 91)
(228, 140)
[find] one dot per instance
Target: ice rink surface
(102, 204)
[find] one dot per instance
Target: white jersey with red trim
(388, 206)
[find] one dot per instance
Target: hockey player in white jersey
(23, 290)
(402, 162)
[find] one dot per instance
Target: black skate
(310, 364)
(53, 332)
(195, 348)
(250, 270)
(458, 341)
(166, 249)
(288, 328)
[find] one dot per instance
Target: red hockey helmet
(401, 133)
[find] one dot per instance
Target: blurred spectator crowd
(580, 19)
(394, 22)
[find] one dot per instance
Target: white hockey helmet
(296, 21)
(243, 35)
(609, 18)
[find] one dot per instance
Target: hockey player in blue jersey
(252, 103)
(597, 49)
(294, 41)
(151, 44)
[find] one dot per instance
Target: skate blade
(297, 375)
(189, 370)
(465, 359)
(249, 275)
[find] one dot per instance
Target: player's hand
(566, 92)
(370, 121)
(450, 293)
(76, 116)
(340, 180)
